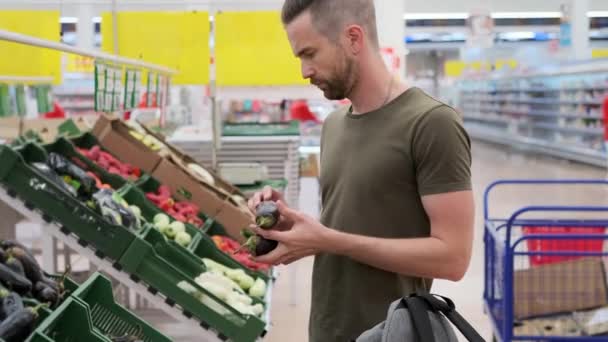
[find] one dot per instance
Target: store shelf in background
(586, 131)
(556, 149)
(539, 113)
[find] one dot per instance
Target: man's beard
(339, 85)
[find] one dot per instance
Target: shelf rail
(43, 43)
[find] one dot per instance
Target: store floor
(289, 321)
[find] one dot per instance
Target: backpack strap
(447, 307)
(418, 309)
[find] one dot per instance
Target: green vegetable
(178, 226)
(183, 239)
(211, 265)
(170, 232)
(135, 209)
(161, 221)
(242, 278)
(258, 289)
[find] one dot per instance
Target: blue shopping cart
(544, 277)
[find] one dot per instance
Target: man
(398, 209)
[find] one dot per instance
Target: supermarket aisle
(490, 163)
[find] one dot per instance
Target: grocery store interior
(134, 132)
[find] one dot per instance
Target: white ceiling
(412, 6)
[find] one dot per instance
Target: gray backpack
(421, 318)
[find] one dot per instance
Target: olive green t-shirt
(375, 168)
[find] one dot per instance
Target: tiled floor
(289, 322)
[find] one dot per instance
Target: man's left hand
(305, 238)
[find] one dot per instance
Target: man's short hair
(331, 16)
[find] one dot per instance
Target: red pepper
(153, 197)
(94, 153)
(164, 191)
(137, 172)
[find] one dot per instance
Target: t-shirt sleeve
(442, 152)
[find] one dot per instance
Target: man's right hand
(269, 194)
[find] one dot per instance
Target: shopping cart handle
(562, 209)
(489, 188)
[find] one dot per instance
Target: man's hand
(269, 194)
(305, 238)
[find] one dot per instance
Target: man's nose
(307, 71)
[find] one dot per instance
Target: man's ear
(355, 38)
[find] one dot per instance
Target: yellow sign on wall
(22, 60)
(599, 53)
(252, 49)
(178, 40)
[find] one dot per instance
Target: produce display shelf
(114, 269)
(92, 305)
(19, 177)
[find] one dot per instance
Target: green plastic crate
(246, 129)
(135, 196)
(70, 322)
(25, 181)
(201, 246)
(151, 260)
(65, 148)
(110, 318)
(204, 247)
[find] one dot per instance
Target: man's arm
(445, 254)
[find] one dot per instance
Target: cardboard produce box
(113, 134)
(10, 128)
(182, 159)
(213, 203)
(558, 288)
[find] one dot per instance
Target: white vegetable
(203, 174)
(258, 289)
(240, 307)
(258, 309)
(216, 289)
(219, 279)
(161, 221)
(183, 239)
(178, 226)
(245, 299)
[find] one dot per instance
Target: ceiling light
(525, 15)
(435, 16)
(68, 20)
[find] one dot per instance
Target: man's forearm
(423, 257)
